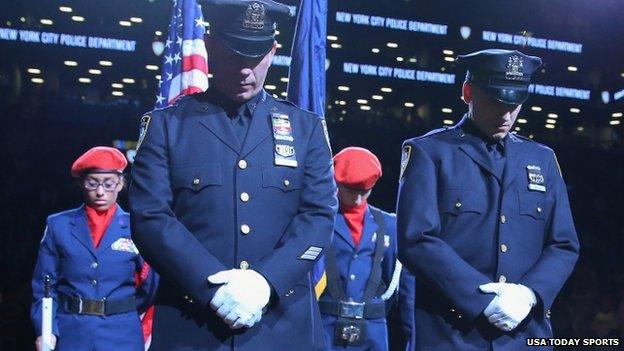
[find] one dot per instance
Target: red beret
(99, 158)
(357, 168)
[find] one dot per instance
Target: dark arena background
(384, 84)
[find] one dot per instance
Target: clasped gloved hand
(241, 298)
(512, 304)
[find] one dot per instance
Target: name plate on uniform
(536, 178)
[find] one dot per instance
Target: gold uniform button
(244, 197)
(539, 209)
(245, 229)
(502, 279)
(503, 219)
(242, 164)
(286, 182)
(458, 204)
(94, 265)
(196, 181)
(503, 248)
(94, 282)
(244, 265)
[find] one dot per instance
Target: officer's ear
(467, 93)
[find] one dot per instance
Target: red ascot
(98, 222)
(101, 159)
(356, 168)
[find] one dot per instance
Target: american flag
(185, 63)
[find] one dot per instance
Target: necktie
(240, 122)
(496, 151)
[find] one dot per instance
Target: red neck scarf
(354, 216)
(98, 222)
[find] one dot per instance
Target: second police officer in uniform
(483, 218)
(233, 200)
(361, 266)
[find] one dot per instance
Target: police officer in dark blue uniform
(233, 200)
(484, 220)
(363, 273)
(92, 266)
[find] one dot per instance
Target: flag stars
(168, 59)
(160, 99)
(179, 41)
(177, 57)
(169, 76)
(168, 43)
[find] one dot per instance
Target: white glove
(512, 304)
(39, 343)
(239, 302)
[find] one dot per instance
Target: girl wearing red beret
(95, 275)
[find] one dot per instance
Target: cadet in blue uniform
(361, 266)
(93, 265)
(233, 200)
(484, 220)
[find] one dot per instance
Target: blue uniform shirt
(77, 269)
(462, 224)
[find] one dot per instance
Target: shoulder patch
(405, 158)
(145, 121)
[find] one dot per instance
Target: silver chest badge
(536, 178)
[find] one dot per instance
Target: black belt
(351, 309)
(97, 307)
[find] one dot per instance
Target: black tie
(240, 122)
(496, 151)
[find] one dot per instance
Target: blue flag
(306, 81)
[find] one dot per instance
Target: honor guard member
(484, 219)
(233, 199)
(89, 265)
(361, 266)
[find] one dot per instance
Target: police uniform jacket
(461, 224)
(202, 202)
(77, 269)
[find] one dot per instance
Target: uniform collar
(468, 126)
(233, 108)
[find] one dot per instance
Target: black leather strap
(371, 310)
(97, 307)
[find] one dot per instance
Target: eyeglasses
(109, 185)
